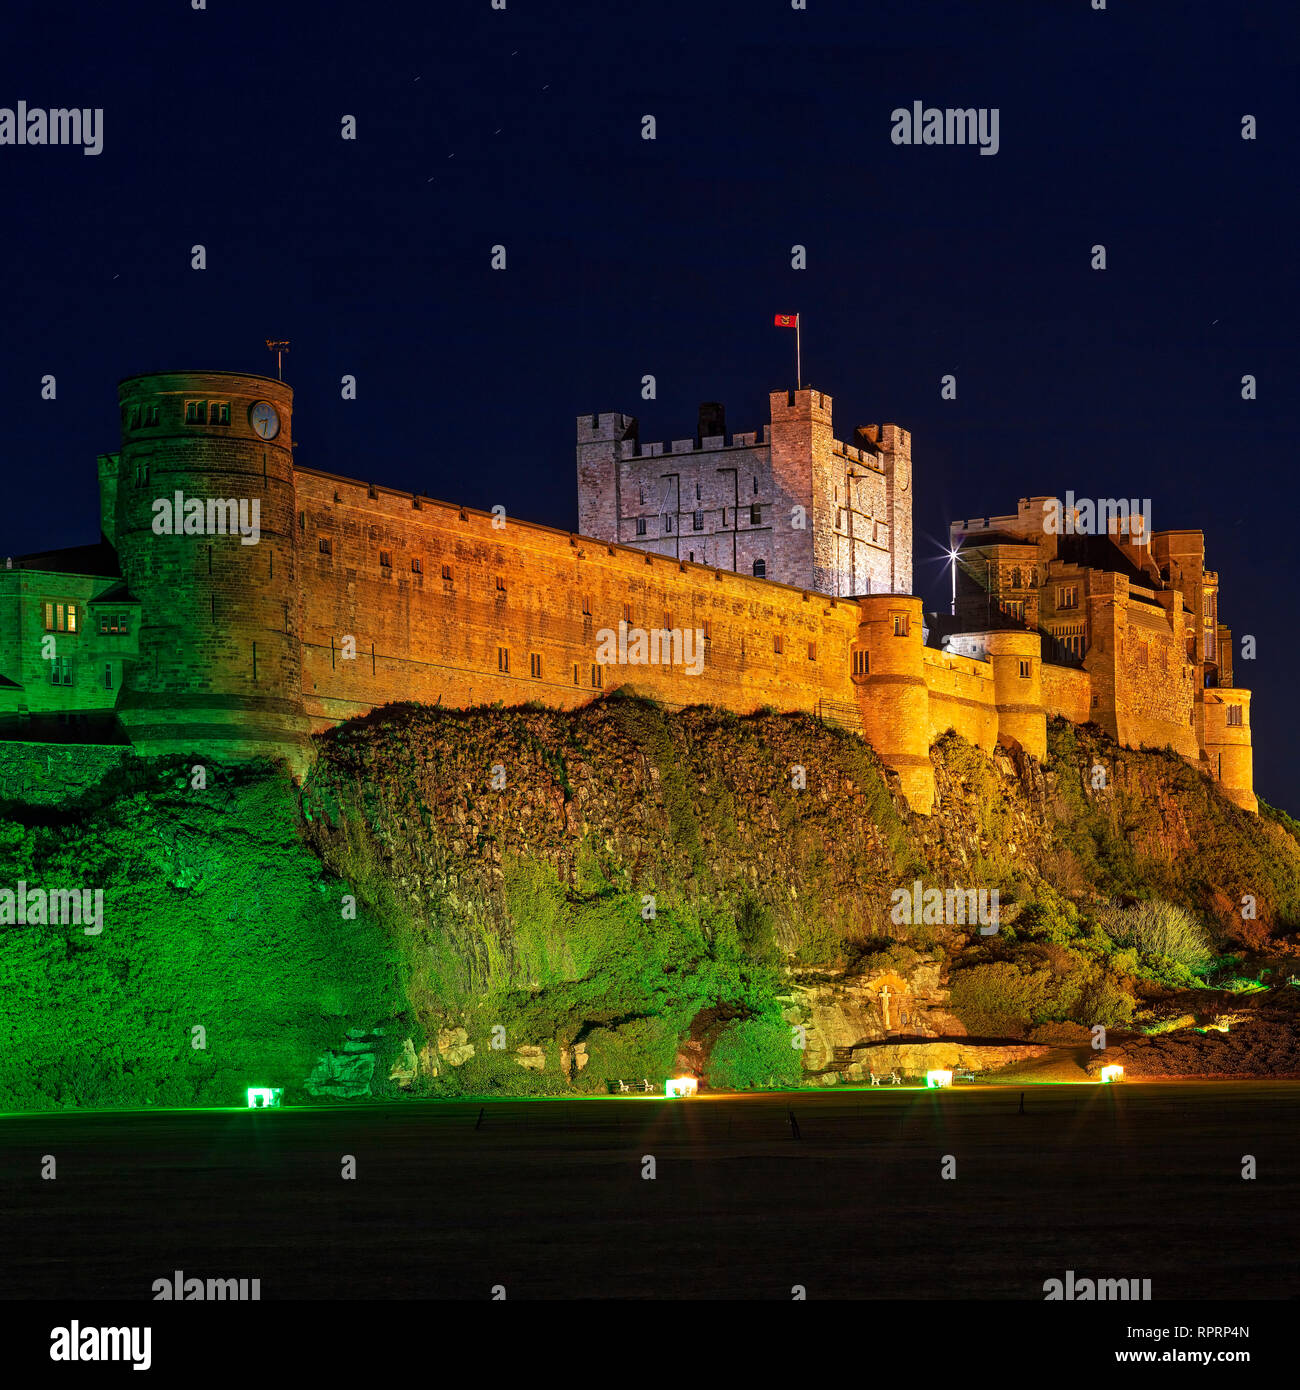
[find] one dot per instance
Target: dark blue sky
(628, 257)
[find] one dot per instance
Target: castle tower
(896, 448)
(1226, 739)
(802, 463)
(1018, 689)
(893, 698)
(219, 672)
(599, 448)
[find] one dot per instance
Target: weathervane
(279, 349)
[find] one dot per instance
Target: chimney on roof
(712, 420)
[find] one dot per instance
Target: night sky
(628, 257)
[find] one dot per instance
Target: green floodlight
(264, 1097)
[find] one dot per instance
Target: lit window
(60, 617)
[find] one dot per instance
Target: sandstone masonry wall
(517, 613)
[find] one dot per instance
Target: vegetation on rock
(530, 900)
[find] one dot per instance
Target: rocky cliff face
(581, 880)
(530, 901)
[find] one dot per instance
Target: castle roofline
(576, 538)
(98, 559)
(205, 371)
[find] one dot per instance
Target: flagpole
(798, 354)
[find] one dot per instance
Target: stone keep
(798, 505)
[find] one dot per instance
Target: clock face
(264, 420)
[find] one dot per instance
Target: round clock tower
(205, 535)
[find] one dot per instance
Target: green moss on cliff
(224, 960)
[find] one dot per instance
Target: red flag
(787, 321)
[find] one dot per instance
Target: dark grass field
(547, 1198)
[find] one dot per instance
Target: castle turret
(896, 450)
(1226, 739)
(600, 439)
(204, 529)
(1018, 689)
(802, 454)
(893, 698)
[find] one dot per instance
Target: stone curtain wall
(961, 698)
(1067, 692)
(524, 589)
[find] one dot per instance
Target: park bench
(625, 1087)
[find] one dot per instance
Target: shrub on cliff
(998, 999)
(1041, 984)
(753, 1052)
(635, 1049)
(1158, 929)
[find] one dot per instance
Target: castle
(238, 602)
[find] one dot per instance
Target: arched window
(760, 569)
